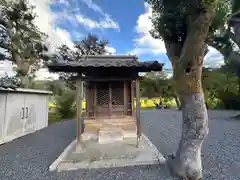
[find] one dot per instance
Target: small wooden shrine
(111, 85)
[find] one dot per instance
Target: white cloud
(44, 74)
(106, 23)
(110, 50)
(145, 43)
(6, 68)
(46, 19)
(65, 37)
(94, 6)
(47, 22)
(213, 58)
(63, 2)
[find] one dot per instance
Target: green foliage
(227, 41)
(236, 5)
(169, 103)
(20, 39)
(65, 104)
(171, 18)
(9, 82)
(156, 85)
(221, 89)
(90, 45)
(54, 117)
(223, 8)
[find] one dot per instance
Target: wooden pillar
(79, 109)
(125, 99)
(87, 91)
(138, 111)
(95, 100)
(110, 101)
(132, 98)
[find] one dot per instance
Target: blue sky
(124, 23)
(120, 12)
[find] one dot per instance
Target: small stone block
(89, 136)
(109, 135)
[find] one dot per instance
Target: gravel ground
(29, 157)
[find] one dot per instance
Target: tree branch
(194, 45)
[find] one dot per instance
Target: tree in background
(185, 27)
(20, 39)
(65, 89)
(90, 45)
(158, 85)
(227, 39)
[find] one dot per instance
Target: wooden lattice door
(109, 99)
(117, 94)
(102, 104)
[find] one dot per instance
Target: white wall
(22, 112)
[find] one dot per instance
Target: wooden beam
(105, 79)
(132, 97)
(138, 111)
(95, 100)
(110, 102)
(79, 110)
(125, 98)
(87, 91)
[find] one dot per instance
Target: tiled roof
(103, 61)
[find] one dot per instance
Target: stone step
(109, 135)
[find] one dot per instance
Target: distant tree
(90, 45)
(227, 39)
(20, 39)
(159, 84)
(9, 82)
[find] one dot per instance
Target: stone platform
(116, 154)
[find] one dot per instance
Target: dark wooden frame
(101, 68)
(92, 107)
(131, 88)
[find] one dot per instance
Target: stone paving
(115, 154)
(29, 157)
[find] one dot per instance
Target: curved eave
(141, 67)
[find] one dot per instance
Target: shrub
(65, 104)
(53, 117)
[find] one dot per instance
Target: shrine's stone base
(109, 135)
(92, 154)
(127, 124)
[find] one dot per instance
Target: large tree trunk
(187, 69)
(187, 161)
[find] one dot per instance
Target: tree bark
(187, 69)
(187, 162)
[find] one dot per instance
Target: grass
(54, 117)
(145, 103)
